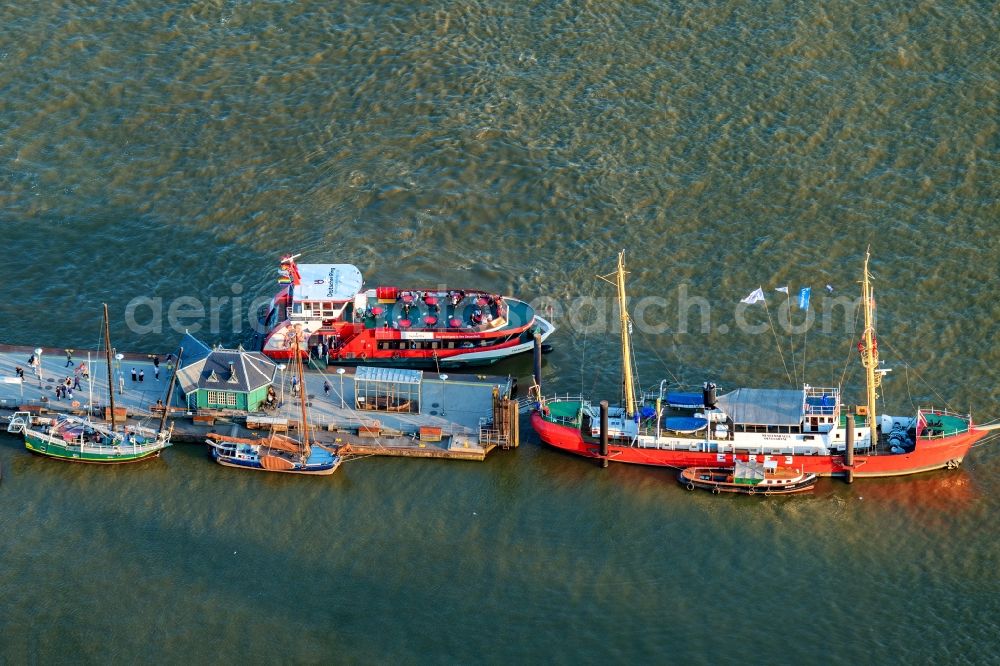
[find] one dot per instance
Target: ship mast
(869, 350)
(302, 390)
(170, 392)
(626, 325)
(630, 405)
(107, 353)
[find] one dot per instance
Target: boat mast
(869, 350)
(302, 390)
(107, 353)
(170, 391)
(630, 406)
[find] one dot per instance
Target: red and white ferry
(805, 429)
(432, 328)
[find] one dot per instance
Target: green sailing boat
(79, 439)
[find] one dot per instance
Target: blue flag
(804, 297)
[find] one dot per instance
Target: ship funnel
(708, 395)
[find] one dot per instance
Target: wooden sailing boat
(748, 478)
(80, 439)
(806, 429)
(277, 452)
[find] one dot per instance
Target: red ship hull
(929, 454)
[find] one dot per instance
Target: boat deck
(428, 312)
(944, 425)
(565, 411)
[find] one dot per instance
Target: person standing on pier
(19, 371)
(156, 367)
(69, 358)
(327, 386)
(142, 375)
(134, 376)
(83, 370)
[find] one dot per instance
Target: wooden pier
(460, 417)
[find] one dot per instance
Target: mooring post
(538, 359)
(849, 448)
(604, 433)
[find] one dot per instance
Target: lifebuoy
(689, 486)
(752, 491)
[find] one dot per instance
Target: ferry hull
(946, 452)
(366, 352)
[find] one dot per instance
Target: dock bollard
(538, 359)
(604, 433)
(849, 448)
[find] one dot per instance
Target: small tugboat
(808, 428)
(277, 452)
(748, 478)
(79, 439)
(347, 324)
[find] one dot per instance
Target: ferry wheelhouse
(434, 328)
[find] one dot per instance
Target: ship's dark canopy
(780, 407)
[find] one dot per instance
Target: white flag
(783, 290)
(754, 297)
